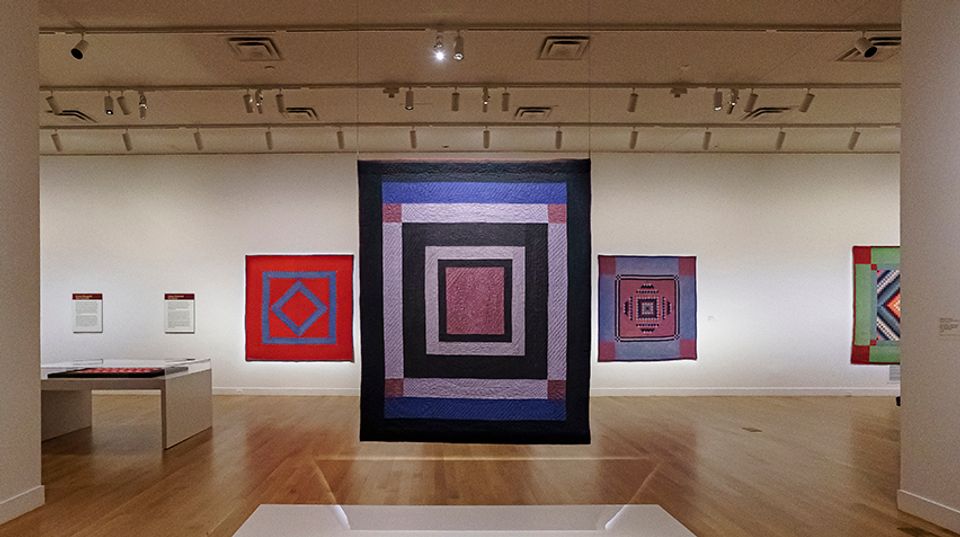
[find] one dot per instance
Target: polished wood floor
(728, 466)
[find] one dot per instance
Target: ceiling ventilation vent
(887, 47)
(76, 116)
(766, 111)
(303, 113)
(564, 47)
(254, 49)
(532, 113)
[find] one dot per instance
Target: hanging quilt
(474, 286)
(647, 308)
(876, 305)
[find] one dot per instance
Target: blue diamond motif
(298, 287)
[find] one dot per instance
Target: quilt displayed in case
(876, 305)
(474, 301)
(647, 308)
(299, 308)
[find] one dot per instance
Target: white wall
(930, 435)
(772, 234)
(20, 489)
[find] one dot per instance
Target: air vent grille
(564, 47)
(888, 46)
(532, 113)
(766, 111)
(254, 49)
(76, 116)
(304, 113)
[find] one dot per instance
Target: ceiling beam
(471, 125)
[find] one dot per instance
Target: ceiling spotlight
(633, 138)
(781, 137)
(54, 105)
(486, 99)
(558, 139)
(142, 105)
(258, 100)
(458, 48)
(854, 138)
(455, 101)
(486, 138)
(413, 138)
(80, 48)
(108, 104)
(734, 99)
(281, 103)
(55, 138)
(248, 102)
(439, 53)
(717, 100)
(123, 104)
(706, 140)
(632, 101)
(751, 102)
(127, 142)
(341, 143)
(865, 47)
(408, 100)
(505, 101)
(807, 101)
(269, 136)
(198, 139)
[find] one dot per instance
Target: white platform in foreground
(462, 521)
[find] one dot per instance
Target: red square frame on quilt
(299, 308)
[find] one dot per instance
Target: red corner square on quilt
(688, 266)
(299, 308)
(607, 351)
(688, 349)
(557, 214)
(608, 265)
(861, 255)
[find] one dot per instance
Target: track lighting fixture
(558, 139)
(734, 99)
(633, 138)
(248, 102)
(258, 100)
(866, 48)
(505, 101)
(413, 138)
(458, 48)
(706, 140)
(751, 102)
(80, 48)
(55, 138)
(807, 101)
(123, 104)
(455, 101)
(854, 138)
(408, 100)
(632, 101)
(486, 138)
(486, 99)
(142, 105)
(281, 103)
(269, 136)
(108, 104)
(127, 142)
(54, 105)
(717, 100)
(439, 53)
(341, 143)
(781, 137)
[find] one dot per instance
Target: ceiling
(337, 58)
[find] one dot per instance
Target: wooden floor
(728, 466)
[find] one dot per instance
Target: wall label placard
(87, 313)
(949, 327)
(179, 313)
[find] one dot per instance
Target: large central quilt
(475, 301)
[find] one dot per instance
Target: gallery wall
(772, 235)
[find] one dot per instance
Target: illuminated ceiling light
(439, 53)
(781, 137)
(633, 138)
(108, 104)
(142, 105)
(258, 100)
(341, 143)
(269, 136)
(458, 48)
(408, 100)
(486, 99)
(281, 103)
(751, 102)
(558, 139)
(865, 47)
(413, 138)
(55, 138)
(706, 140)
(198, 139)
(505, 101)
(123, 104)
(854, 138)
(54, 105)
(632, 101)
(486, 138)
(127, 142)
(717, 100)
(80, 48)
(248, 102)
(807, 101)
(734, 99)
(455, 101)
